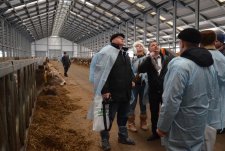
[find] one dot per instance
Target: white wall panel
(42, 41)
(57, 47)
(67, 48)
(40, 54)
(54, 54)
(70, 53)
(66, 42)
(32, 46)
(41, 47)
(75, 48)
(54, 41)
(56, 44)
(32, 50)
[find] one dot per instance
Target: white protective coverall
(216, 115)
(183, 114)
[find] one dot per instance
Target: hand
(161, 133)
(137, 78)
(106, 95)
(133, 84)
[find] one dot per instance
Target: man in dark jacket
(66, 63)
(117, 88)
(156, 67)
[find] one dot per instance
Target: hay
(46, 132)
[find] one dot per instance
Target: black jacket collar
(200, 56)
(117, 47)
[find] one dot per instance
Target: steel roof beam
(200, 15)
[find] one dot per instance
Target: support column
(13, 41)
(145, 29)
(174, 24)
(97, 42)
(197, 4)
(120, 28)
(73, 49)
(47, 53)
(7, 40)
(126, 34)
(61, 44)
(134, 29)
(3, 37)
(35, 49)
(157, 24)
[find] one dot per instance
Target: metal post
(145, 29)
(61, 44)
(47, 47)
(126, 34)
(7, 40)
(174, 24)
(20, 45)
(104, 38)
(97, 42)
(134, 29)
(157, 24)
(35, 49)
(15, 49)
(73, 49)
(3, 37)
(13, 42)
(197, 5)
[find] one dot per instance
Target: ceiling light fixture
(153, 13)
(162, 18)
(131, 1)
(170, 23)
(180, 28)
(140, 6)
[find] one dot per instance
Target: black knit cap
(190, 35)
(116, 35)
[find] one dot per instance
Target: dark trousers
(138, 91)
(154, 102)
(122, 109)
(65, 69)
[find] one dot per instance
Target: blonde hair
(138, 43)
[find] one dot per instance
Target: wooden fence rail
(17, 97)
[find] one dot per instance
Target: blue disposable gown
(101, 66)
(183, 114)
(92, 67)
(216, 115)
